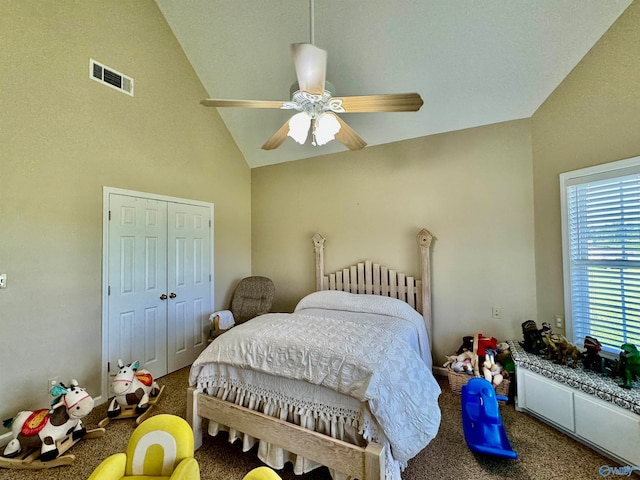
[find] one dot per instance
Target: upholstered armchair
(160, 448)
(262, 473)
(252, 297)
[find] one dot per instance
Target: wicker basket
(457, 380)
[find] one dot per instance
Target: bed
(344, 381)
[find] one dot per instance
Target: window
(601, 253)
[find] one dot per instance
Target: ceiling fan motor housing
(314, 104)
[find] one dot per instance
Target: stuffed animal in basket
(629, 364)
(504, 357)
(467, 345)
(482, 343)
(491, 371)
(131, 386)
(466, 362)
(43, 428)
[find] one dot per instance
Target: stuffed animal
(467, 345)
(504, 358)
(484, 343)
(45, 427)
(491, 371)
(466, 362)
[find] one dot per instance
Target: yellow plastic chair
(262, 473)
(160, 448)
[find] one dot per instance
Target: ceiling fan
(313, 97)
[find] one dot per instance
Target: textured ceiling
(473, 62)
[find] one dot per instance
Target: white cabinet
(610, 429)
(546, 398)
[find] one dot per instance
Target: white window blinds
(601, 227)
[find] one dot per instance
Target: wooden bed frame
(364, 463)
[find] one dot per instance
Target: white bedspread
(380, 357)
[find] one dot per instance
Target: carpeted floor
(544, 452)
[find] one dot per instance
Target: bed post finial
(318, 245)
(424, 242)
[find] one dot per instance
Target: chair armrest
(187, 469)
(111, 468)
(221, 320)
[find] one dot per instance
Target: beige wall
(62, 138)
(593, 117)
(472, 189)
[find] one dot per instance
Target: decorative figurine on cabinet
(532, 337)
(591, 358)
(629, 364)
(559, 348)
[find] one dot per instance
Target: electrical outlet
(52, 382)
(559, 321)
(3, 280)
(496, 312)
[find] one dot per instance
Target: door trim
(106, 191)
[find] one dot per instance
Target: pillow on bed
(352, 302)
(369, 303)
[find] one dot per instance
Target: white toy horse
(132, 386)
(43, 428)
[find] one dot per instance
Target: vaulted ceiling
(474, 62)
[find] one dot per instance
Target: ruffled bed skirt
(310, 406)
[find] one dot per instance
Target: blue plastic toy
(481, 420)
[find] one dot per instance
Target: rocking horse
(41, 437)
(136, 392)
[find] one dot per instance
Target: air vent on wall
(109, 77)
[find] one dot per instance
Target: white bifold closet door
(159, 292)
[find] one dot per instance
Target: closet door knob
(172, 295)
(163, 296)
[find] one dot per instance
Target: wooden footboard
(364, 463)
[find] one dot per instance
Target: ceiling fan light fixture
(299, 127)
(325, 129)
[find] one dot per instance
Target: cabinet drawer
(608, 426)
(549, 399)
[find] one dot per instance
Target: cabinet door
(608, 426)
(548, 399)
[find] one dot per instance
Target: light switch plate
(3, 280)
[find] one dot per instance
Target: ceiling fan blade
(311, 67)
(278, 138)
(212, 102)
(395, 102)
(348, 136)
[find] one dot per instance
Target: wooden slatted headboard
(371, 278)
